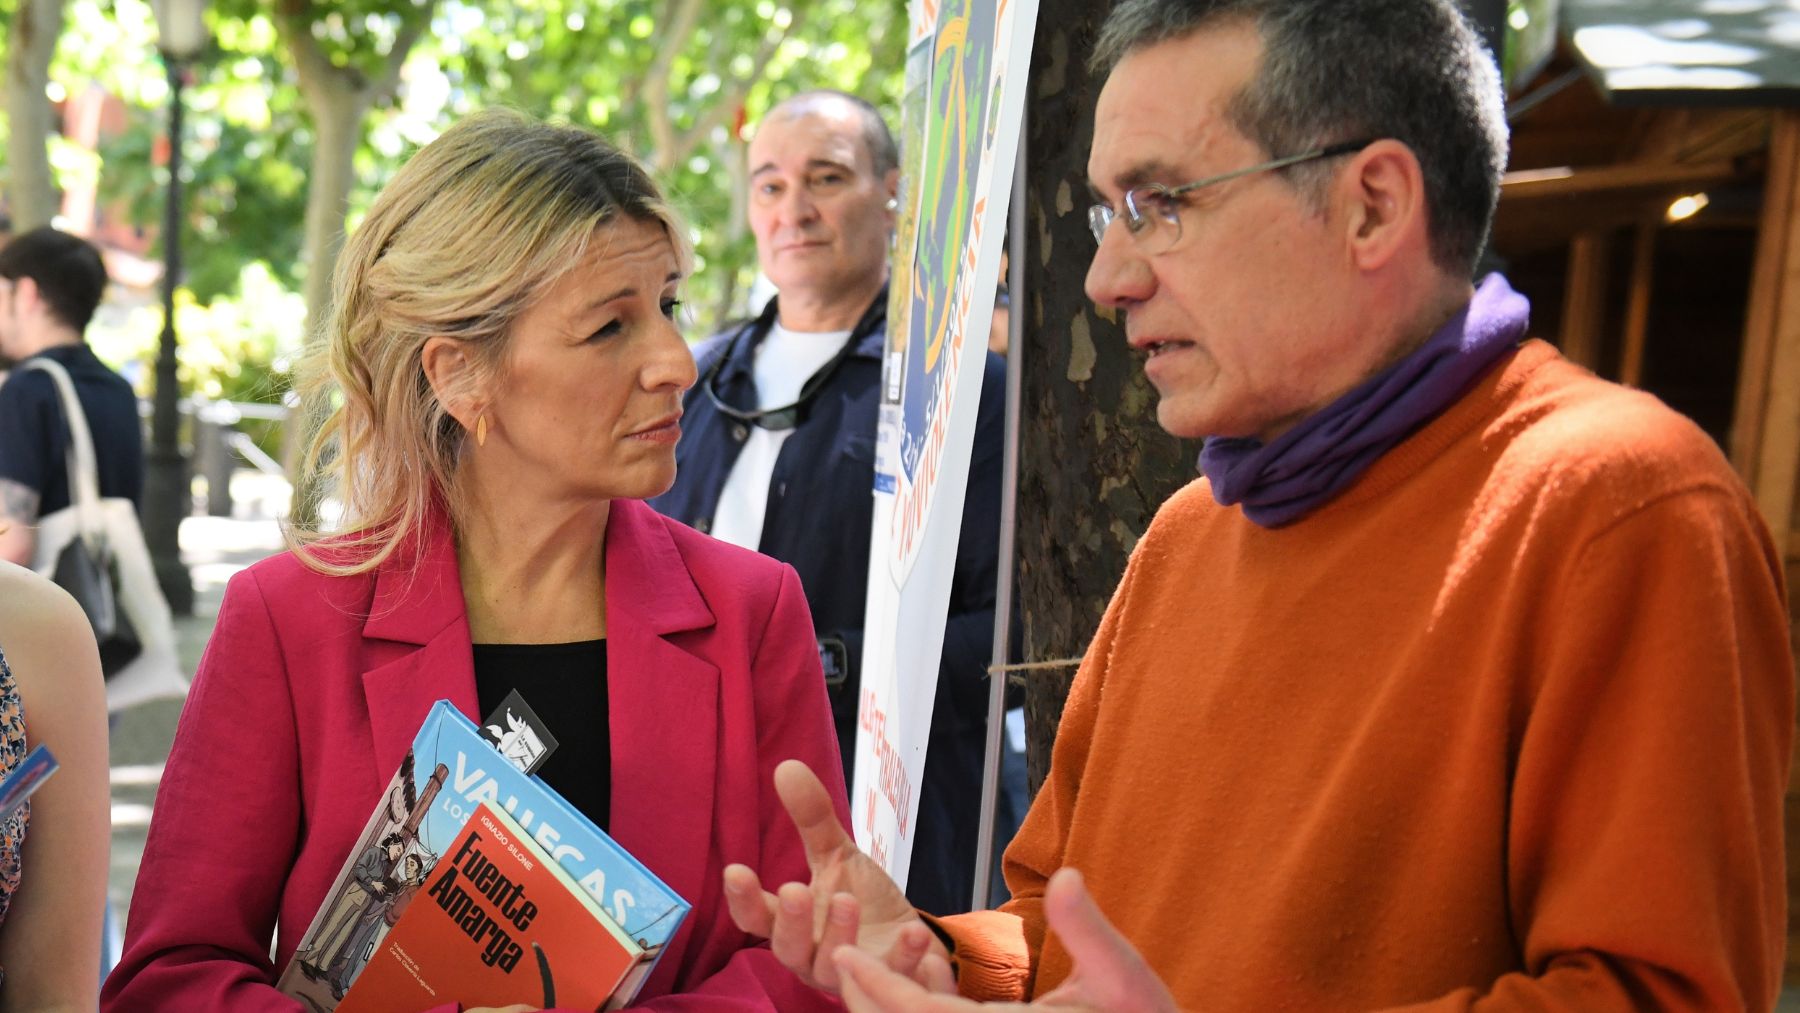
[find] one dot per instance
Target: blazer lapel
(663, 702)
(662, 699)
(418, 606)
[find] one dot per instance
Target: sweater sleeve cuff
(988, 953)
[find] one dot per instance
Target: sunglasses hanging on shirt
(788, 416)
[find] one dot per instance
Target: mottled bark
(1093, 465)
(30, 188)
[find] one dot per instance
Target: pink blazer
(310, 692)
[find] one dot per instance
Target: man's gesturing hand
(850, 900)
(1109, 976)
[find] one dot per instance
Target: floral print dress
(12, 751)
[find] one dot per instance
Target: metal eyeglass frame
(1136, 221)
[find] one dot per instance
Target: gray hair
(884, 154)
(1339, 70)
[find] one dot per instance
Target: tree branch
(293, 23)
(410, 31)
(682, 16)
(730, 99)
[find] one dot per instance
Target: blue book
(27, 777)
(450, 771)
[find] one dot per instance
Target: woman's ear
(450, 370)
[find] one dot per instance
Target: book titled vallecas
(450, 772)
(498, 922)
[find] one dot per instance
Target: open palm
(850, 900)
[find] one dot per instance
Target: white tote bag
(113, 523)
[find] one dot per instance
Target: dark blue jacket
(821, 502)
(34, 430)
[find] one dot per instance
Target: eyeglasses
(1153, 211)
(790, 415)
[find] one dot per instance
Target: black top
(34, 435)
(566, 685)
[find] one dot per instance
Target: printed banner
(965, 99)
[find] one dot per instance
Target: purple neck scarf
(1305, 467)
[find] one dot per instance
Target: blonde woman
(504, 345)
(53, 850)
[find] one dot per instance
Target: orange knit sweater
(1504, 726)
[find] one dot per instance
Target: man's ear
(1383, 189)
(450, 369)
(25, 293)
(891, 183)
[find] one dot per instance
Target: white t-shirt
(784, 362)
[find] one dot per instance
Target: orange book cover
(496, 923)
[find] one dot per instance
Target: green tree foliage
(245, 153)
(670, 80)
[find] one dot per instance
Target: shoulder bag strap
(84, 481)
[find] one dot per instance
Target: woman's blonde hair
(469, 233)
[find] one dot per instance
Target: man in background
(778, 447)
(50, 284)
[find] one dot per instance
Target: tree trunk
(36, 26)
(736, 159)
(338, 98)
(1093, 464)
(337, 125)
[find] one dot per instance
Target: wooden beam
(1656, 135)
(1565, 182)
(1584, 299)
(1691, 134)
(1777, 463)
(1765, 296)
(1765, 440)
(1637, 306)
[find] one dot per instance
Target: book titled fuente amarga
(499, 921)
(449, 772)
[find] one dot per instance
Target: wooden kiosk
(1652, 214)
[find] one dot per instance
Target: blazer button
(703, 525)
(740, 432)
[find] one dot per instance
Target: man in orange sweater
(1460, 680)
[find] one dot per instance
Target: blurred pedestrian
(50, 285)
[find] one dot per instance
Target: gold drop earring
(481, 430)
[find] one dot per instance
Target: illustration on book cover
(390, 867)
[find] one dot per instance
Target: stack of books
(475, 882)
